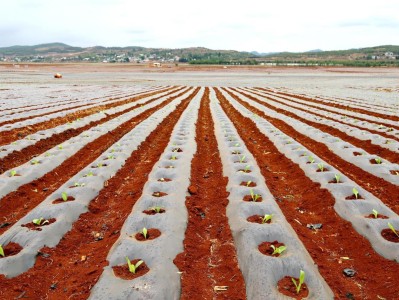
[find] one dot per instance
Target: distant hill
(60, 52)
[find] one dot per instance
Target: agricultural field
(199, 184)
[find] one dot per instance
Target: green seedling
(242, 158)
(337, 178)
(311, 159)
(247, 168)
(144, 232)
(236, 144)
(393, 229)
(13, 173)
(378, 160)
(133, 267)
(301, 281)
(174, 157)
(60, 147)
(40, 221)
(249, 182)
(47, 154)
(266, 218)
(111, 156)
(355, 192)
(89, 174)
(254, 196)
(157, 209)
(321, 167)
(64, 196)
(34, 162)
(77, 184)
(2, 251)
(375, 213)
(278, 250)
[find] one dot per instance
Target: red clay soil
(64, 265)
(124, 273)
(287, 287)
(11, 249)
(14, 205)
(209, 257)
(366, 145)
(303, 202)
(387, 136)
(382, 189)
(340, 106)
(17, 158)
(7, 137)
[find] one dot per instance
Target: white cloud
(242, 25)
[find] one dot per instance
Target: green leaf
(375, 213)
(321, 167)
(13, 173)
(393, 229)
(267, 218)
(64, 196)
(355, 192)
(37, 221)
(337, 177)
(132, 268)
(144, 231)
(138, 264)
(2, 251)
(249, 182)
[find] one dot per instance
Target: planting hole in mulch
(124, 273)
(152, 233)
(379, 216)
(394, 172)
(335, 181)
(249, 198)
(248, 183)
(357, 153)
(324, 170)
(60, 200)
(99, 166)
(286, 287)
(244, 171)
(154, 211)
(45, 222)
(389, 235)
(353, 197)
(267, 249)
(235, 152)
(11, 249)
(258, 219)
(169, 167)
(177, 150)
(164, 179)
(373, 161)
(159, 194)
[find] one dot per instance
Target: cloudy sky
(250, 25)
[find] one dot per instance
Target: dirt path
(304, 202)
(209, 258)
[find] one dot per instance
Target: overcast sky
(246, 25)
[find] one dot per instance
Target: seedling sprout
(337, 178)
(254, 196)
(2, 251)
(64, 196)
(144, 232)
(157, 209)
(40, 221)
(266, 218)
(393, 229)
(133, 267)
(301, 280)
(13, 173)
(321, 167)
(355, 192)
(242, 158)
(249, 182)
(278, 250)
(34, 162)
(311, 159)
(378, 160)
(375, 213)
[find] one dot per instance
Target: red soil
(209, 257)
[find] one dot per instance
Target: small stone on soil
(349, 272)
(314, 226)
(53, 286)
(193, 190)
(5, 225)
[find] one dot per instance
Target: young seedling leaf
(132, 267)
(13, 173)
(37, 221)
(266, 218)
(157, 209)
(248, 183)
(242, 158)
(393, 229)
(64, 196)
(321, 167)
(301, 281)
(311, 159)
(355, 192)
(2, 251)
(144, 232)
(337, 178)
(378, 160)
(278, 250)
(375, 213)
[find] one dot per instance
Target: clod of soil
(257, 219)
(379, 216)
(193, 190)
(124, 273)
(60, 200)
(245, 183)
(153, 211)
(152, 233)
(389, 235)
(11, 249)
(32, 226)
(248, 198)
(266, 248)
(159, 194)
(286, 287)
(164, 179)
